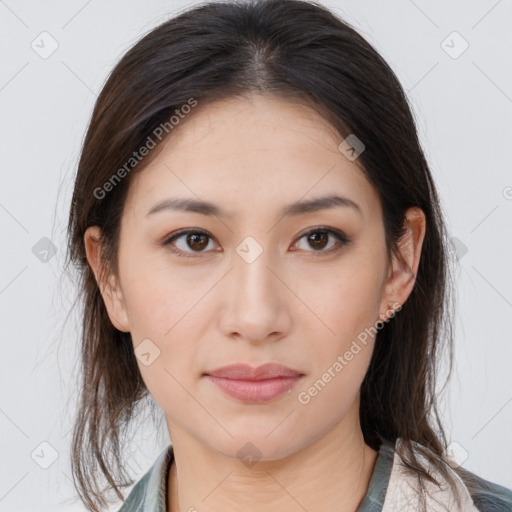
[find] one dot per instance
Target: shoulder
(135, 500)
(476, 494)
(149, 493)
(489, 496)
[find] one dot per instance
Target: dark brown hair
(291, 49)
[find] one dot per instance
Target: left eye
(317, 238)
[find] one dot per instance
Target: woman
(263, 253)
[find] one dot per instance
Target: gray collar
(150, 492)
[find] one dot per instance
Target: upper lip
(247, 372)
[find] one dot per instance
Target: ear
(404, 267)
(108, 285)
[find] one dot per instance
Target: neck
(333, 473)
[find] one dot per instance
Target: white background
(463, 108)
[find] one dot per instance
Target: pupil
(314, 236)
(194, 237)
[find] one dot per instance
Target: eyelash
(338, 235)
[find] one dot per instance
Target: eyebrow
(297, 208)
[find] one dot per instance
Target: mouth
(254, 385)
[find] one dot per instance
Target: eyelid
(341, 238)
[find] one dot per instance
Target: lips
(254, 385)
(246, 372)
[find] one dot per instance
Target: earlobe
(404, 267)
(115, 304)
(108, 286)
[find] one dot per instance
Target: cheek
(161, 307)
(341, 352)
(160, 299)
(347, 303)
(346, 300)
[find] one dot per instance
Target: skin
(292, 305)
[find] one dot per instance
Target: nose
(256, 305)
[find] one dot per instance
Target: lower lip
(255, 391)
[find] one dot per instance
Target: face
(250, 283)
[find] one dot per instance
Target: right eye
(190, 239)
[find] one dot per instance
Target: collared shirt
(391, 489)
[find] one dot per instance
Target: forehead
(249, 154)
